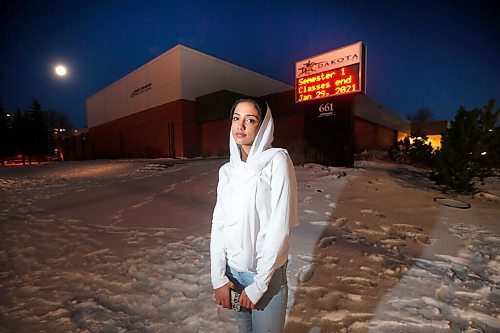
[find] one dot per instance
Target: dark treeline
(33, 134)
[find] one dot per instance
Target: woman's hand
(245, 301)
(222, 295)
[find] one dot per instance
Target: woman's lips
(240, 135)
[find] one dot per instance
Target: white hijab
(243, 179)
(261, 152)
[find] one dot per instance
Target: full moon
(60, 70)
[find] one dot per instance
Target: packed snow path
(122, 246)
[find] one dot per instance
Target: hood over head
(261, 152)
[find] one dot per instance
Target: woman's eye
(235, 118)
(251, 121)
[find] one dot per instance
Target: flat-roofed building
(177, 105)
(151, 111)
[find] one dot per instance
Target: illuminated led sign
(343, 80)
(337, 72)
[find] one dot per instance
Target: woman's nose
(241, 125)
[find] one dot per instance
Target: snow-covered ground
(122, 246)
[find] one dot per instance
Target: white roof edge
(400, 124)
(229, 63)
(389, 111)
(184, 47)
(138, 68)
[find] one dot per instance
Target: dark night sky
(436, 54)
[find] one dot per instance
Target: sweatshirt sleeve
(283, 217)
(217, 243)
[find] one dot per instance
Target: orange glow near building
(402, 135)
(339, 81)
(434, 140)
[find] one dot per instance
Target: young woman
(256, 207)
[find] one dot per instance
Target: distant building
(177, 105)
(433, 130)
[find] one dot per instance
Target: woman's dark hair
(259, 104)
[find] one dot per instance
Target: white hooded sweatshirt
(256, 207)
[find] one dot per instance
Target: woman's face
(245, 124)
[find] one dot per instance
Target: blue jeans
(270, 314)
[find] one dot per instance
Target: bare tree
(422, 115)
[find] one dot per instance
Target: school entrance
(329, 131)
